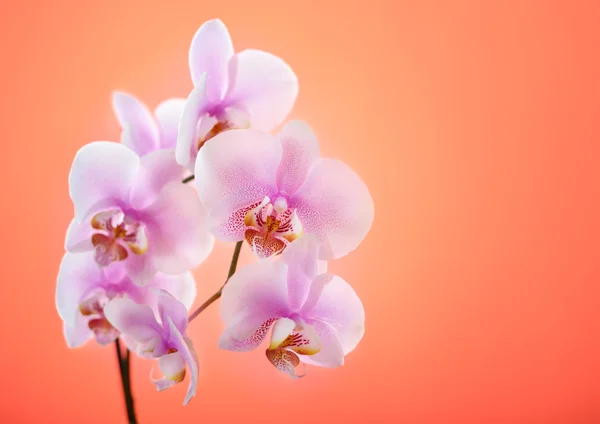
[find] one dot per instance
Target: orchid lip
(271, 226)
(115, 232)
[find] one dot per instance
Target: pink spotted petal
(252, 300)
(140, 132)
(194, 110)
(286, 361)
(227, 225)
(263, 85)
(332, 301)
(78, 275)
(101, 176)
(300, 151)
(157, 169)
(178, 230)
(336, 206)
(136, 321)
(246, 332)
(210, 52)
(168, 113)
(237, 168)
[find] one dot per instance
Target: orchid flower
(83, 289)
(135, 210)
(269, 190)
(317, 317)
(163, 338)
(142, 131)
(251, 88)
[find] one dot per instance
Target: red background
(475, 125)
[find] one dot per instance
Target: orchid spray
(140, 227)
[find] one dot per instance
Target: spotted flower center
(117, 235)
(93, 308)
(284, 354)
(271, 226)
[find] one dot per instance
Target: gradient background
(475, 125)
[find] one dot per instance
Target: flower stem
(188, 179)
(124, 370)
(232, 267)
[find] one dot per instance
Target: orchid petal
(303, 267)
(262, 84)
(157, 169)
(246, 331)
(172, 366)
(181, 286)
(140, 132)
(141, 268)
(79, 334)
(78, 274)
(137, 321)
(210, 52)
(335, 205)
(281, 330)
(253, 298)
(101, 176)
(171, 309)
(300, 151)
(237, 168)
(79, 237)
(185, 347)
(332, 301)
(178, 228)
(168, 114)
(187, 134)
(331, 354)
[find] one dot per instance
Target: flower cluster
(139, 228)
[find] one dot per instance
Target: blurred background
(475, 125)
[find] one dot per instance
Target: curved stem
(188, 179)
(124, 370)
(232, 268)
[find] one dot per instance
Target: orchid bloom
(83, 289)
(163, 338)
(269, 190)
(251, 88)
(317, 317)
(135, 210)
(142, 131)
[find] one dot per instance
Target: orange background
(475, 125)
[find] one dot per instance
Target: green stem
(232, 268)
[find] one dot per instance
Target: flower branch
(217, 295)
(138, 232)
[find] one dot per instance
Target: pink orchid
(269, 190)
(143, 132)
(251, 88)
(163, 338)
(317, 317)
(135, 210)
(83, 289)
